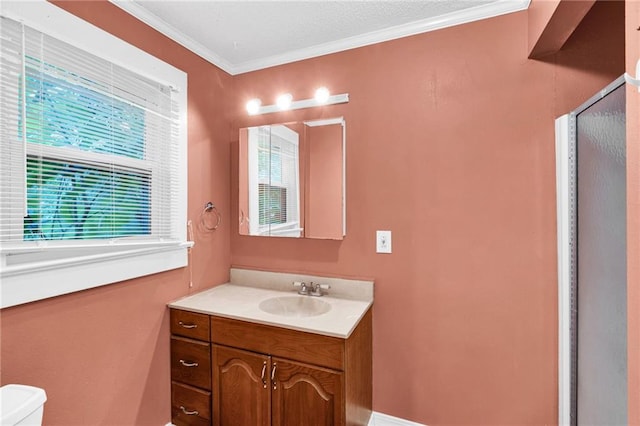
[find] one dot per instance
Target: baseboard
(379, 419)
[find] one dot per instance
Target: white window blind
(91, 160)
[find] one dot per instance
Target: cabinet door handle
(264, 369)
(188, 412)
(273, 375)
(188, 363)
(188, 325)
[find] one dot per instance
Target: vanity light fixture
(285, 102)
(253, 106)
(322, 95)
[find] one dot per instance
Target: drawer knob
(188, 325)
(188, 363)
(189, 412)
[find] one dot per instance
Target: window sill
(57, 278)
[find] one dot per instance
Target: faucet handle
(316, 289)
(304, 290)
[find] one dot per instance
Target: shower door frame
(566, 199)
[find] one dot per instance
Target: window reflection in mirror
(292, 180)
(274, 181)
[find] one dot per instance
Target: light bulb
(322, 95)
(253, 106)
(284, 101)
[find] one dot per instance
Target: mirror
(291, 179)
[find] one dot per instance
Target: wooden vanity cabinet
(190, 369)
(264, 375)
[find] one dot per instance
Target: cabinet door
(241, 393)
(306, 395)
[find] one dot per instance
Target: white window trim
(92, 268)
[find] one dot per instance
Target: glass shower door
(600, 293)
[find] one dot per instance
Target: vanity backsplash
(281, 281)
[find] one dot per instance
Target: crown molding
(174, 34)
(412, 28)
(477, 13)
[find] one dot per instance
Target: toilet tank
(21, 405)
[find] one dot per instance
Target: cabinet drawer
(189, 324)
(190, 406)
(312, 348)
(191, 362)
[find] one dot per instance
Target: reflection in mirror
(291, 180)
(274, 181)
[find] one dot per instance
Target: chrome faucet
(316, 289)
(304, 290)
(311, 289)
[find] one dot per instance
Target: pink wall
(632, 51)
(303, 160)
(539, 15)
(243, 181)
(551, 23)
(450, 144)
(324, 182)
(102, 355)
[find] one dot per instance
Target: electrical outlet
(383, 241)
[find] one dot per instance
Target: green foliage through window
(72, 201)
(81, 199)
(63, 114)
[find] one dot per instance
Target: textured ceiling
(240, 35)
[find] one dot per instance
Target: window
(92, 160)
(69, 197)
(272, 204)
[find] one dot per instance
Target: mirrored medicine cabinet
(292, 179)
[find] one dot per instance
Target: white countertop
(241, 302)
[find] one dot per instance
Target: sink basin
(295, 306)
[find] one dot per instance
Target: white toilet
(21, 405)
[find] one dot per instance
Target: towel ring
(210, 208)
